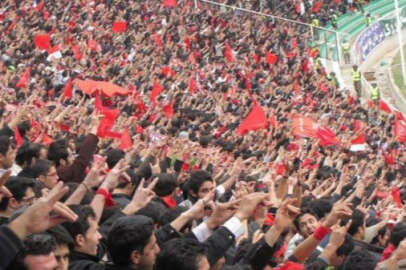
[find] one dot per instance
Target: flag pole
(399, 30)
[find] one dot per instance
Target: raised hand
(112, 177)
(221, 213)
(338, 233)
(340, 209)
(45, 213)
(286, 214)
(142, 196)
(4, 192)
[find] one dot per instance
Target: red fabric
(359, 140)
(139, 129)
(293, 43)
(168, 110)
(396, 197)
(350, 100)
(400, 128)
(192, 85)
(389, 159)
(67, 92)
(107, 196)
(327, 136)
(169, 201)
(387, 252)
(228, 53)
(383, 106)
(281, 252)
(280, 168)
(126, 141)
(18, 138)
(321, 232)
(76, 52)
(120, 26)
(304, 126)
(291, 266)
(109, 89)
(316, 7)
(42, 41)
(98, 105)
(356, 125)
(170, 3)
(93, 45)
(46, 139)
(25, 79)
(158, 40)
(40, 6)
(273, 121)
(255, 120)
(371, 103)
(156, 90)
(271, 58)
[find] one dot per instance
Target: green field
(397, 72)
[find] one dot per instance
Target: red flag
(316, 7)
(255, 120)
(46, 139)
(42, 41)
(158, 40)
(120, 26)
(291, 266)
(18, 138)
(400, 127)
(293, 43)
(384, 107)
(271, 58)
(126, 141)
(304, 126)
(396, 197)
(139, 129)
(40, 6)
(273, 122)
(228, 53)
(359, 140)
(25, 79)
(371, 103)
(192, 85)
(350, 100)
(170, 3)
(67, 92)
(98, 105)
(389, 159)
(156, 90)
(168, 110)
(327, 136)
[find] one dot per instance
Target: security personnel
(356, 78)
(334, 21)
(346, 51)
(368, 19)
(375, 95)
(315, 24)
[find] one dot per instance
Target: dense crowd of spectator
(228, 147)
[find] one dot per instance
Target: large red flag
(304, 127)
(120, 26)
(383, 106)
(40, 6)
(228, 53)
(327, 136)
(192, 85)
(126, 141)
(98, 105)
(67, 92)
(255, 120)
(359, 140)
(156, 90)
(42, 41)
(400, 127)
(170, 3)
(25, 79)
(316, 7)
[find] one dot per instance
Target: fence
(326, 40)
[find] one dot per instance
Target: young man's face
(51, 178)
(7, 160)
(41, 262)
(91, 238)
(205, 188)
(307, 224)
(148, 257)
(62, 257)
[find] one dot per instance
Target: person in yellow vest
(334, 20)
(368, 19)
(375, 94)
(356, 78)
(315, 24)
(346, 51)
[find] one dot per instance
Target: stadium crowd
(218, 141)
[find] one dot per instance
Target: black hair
(398, 233)
(153, 210)
(24, 127)
(171, 215)
(144, 171)
(128, 234)
(34, 244)
(26, 153)
(303, 212)
(347, 247)
(180, 254)
(61, 236)
(58, 150)
(321, 207)
(357, 221)
(5, 144)
(134, 179)
(17, 186)
(114, 156)
(81, 225)
(360, 260)
(167, 183)
(41, 167)
(197, 179)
